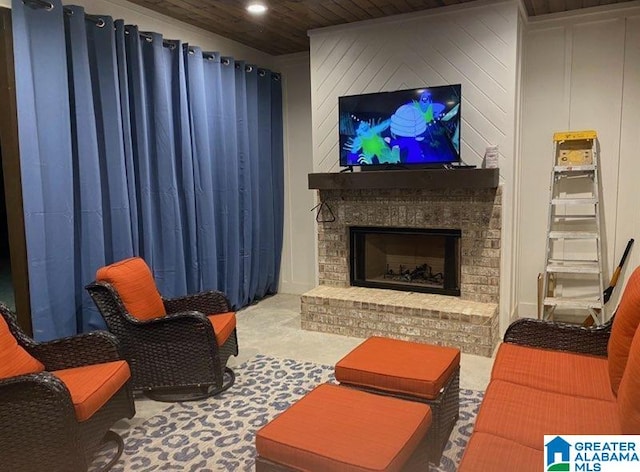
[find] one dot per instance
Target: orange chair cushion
(399, 366)
(338, 428)
(486, 452)
(133, 281)
(624, 327)
(554, 371)
(223, 325)
(93, 385)
(523, 414)
(629, 391)
(14, 360)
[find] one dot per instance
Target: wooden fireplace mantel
(406, 179)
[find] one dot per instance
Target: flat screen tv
(406, 127)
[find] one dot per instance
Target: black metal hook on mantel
(319, 218)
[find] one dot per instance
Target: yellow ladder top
(574, 135)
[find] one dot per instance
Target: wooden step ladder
(573, 226)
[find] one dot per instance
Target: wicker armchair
(42, 414)
(179, 354)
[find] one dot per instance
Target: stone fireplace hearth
(468, 321)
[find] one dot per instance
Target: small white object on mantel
(491, 157)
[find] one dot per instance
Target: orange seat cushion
(487, 453)
(629, 392)
(93, 385)
(624, 327)
(223, 325)
(133, 281)
(523, 414)
(554, 371)
(14, 360)
(399, 366)
(338, 428)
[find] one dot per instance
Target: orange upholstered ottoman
(413, 371)
(334, 428)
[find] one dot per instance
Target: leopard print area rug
(219, 433)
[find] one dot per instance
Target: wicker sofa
(552, 378)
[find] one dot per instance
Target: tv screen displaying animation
(406, 127)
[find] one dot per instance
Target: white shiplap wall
(581, 71)
(475, 45)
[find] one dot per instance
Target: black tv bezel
(421, 165)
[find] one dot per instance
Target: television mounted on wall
(416, 127)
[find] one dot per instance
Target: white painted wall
(581, 71)
(170, 28)
(298, 273)
(475, 45)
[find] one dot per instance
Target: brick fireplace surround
(469, 322)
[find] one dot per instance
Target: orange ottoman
(334, 428)
(419, 372)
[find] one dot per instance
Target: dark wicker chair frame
(560, 336)
(38, 426)
(174, 357)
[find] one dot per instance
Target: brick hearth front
(469, 322)
(437, 319)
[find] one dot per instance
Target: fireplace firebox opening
(409, 259)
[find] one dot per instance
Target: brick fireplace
(468, 321)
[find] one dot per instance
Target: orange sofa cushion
(14, 360)
(629, 391)
(223, 325)
(133, 281)
(92, 386)
(553, 371)
(487, 453)
(399, 366)
(338, 428)
(624, 327)
(523, 414)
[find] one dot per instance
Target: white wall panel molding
(581, 72)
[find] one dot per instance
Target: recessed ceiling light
(256, 8)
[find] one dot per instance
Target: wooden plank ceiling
(283, 29)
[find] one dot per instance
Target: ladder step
(574, 267)
(573, 235)
(585, 168)
(574, 217)
(574, 201)
(566, 302)
(573, 261)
